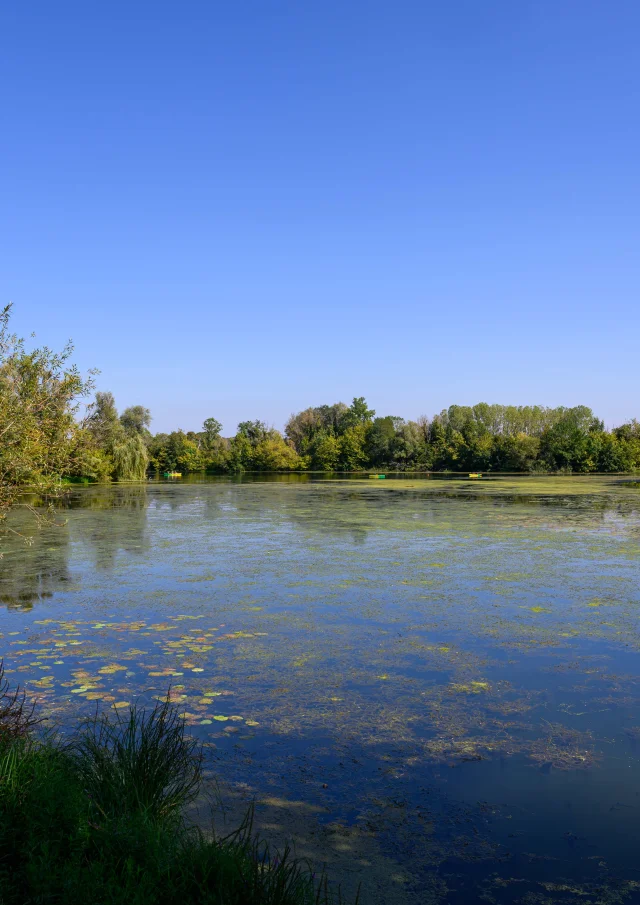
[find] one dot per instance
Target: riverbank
(99, 819)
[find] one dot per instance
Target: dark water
(451, 667)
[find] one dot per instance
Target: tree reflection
(32, 571)
(113, 520)
(35, 567)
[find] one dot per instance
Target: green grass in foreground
(98, 820)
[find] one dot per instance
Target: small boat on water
(172, 474)
(475, 474)
(377, 477)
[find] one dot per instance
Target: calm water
(444, 671)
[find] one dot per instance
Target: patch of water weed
(352, 616)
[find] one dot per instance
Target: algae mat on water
(440, 676)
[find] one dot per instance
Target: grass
(98, 820)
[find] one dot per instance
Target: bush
(98, 820)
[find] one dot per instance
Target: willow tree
(41, 440)
(130, 458)
(122, 439)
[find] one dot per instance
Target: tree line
(46, 437)
(348, 438)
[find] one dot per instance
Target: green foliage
(274, 454)
(176, 451)
(357, 413)
(43, 443)
(332, 437)
(119, 443)
(40, 439)
(257, 447)
(99, 821)
(188, 454)
(325, 452)
(240, 453)
(381, 440)
(571, 442)
(352, 448)
(482, 437)
(129, 457)
(136, 420)
(254, 431)
(515, 452)
(102, 420)
(307, 427)
(211, 429)
(337, 437)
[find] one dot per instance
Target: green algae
(418, 626)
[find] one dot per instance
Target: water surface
(443, 673)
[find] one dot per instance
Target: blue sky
(241, 209)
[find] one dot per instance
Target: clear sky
(240, 209)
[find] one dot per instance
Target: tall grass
(98, 820)
(17, 718)
(142, 763)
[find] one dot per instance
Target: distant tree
(275, 454)
(211, 429)
(333, 417)
(240, 453)
(627, 447)
(353, 456)
(159, 453)
(325, 453)
(189, 457)
(176, 451)
(568, 443)
(130, 458)
(102, 420)
(121, 440)
(381, 440)
(357, 413)
(482, 437)
(628, 431)
(410, 447)
(217, 455)
(136, 419)
(514, 452)
(302, 428)
(254, 431)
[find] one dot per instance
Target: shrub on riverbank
(98, 820)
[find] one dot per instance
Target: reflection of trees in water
(342, 509)
(339, 510)
(106, 519)
(111, 519)
(106, 496)
(31, 572)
